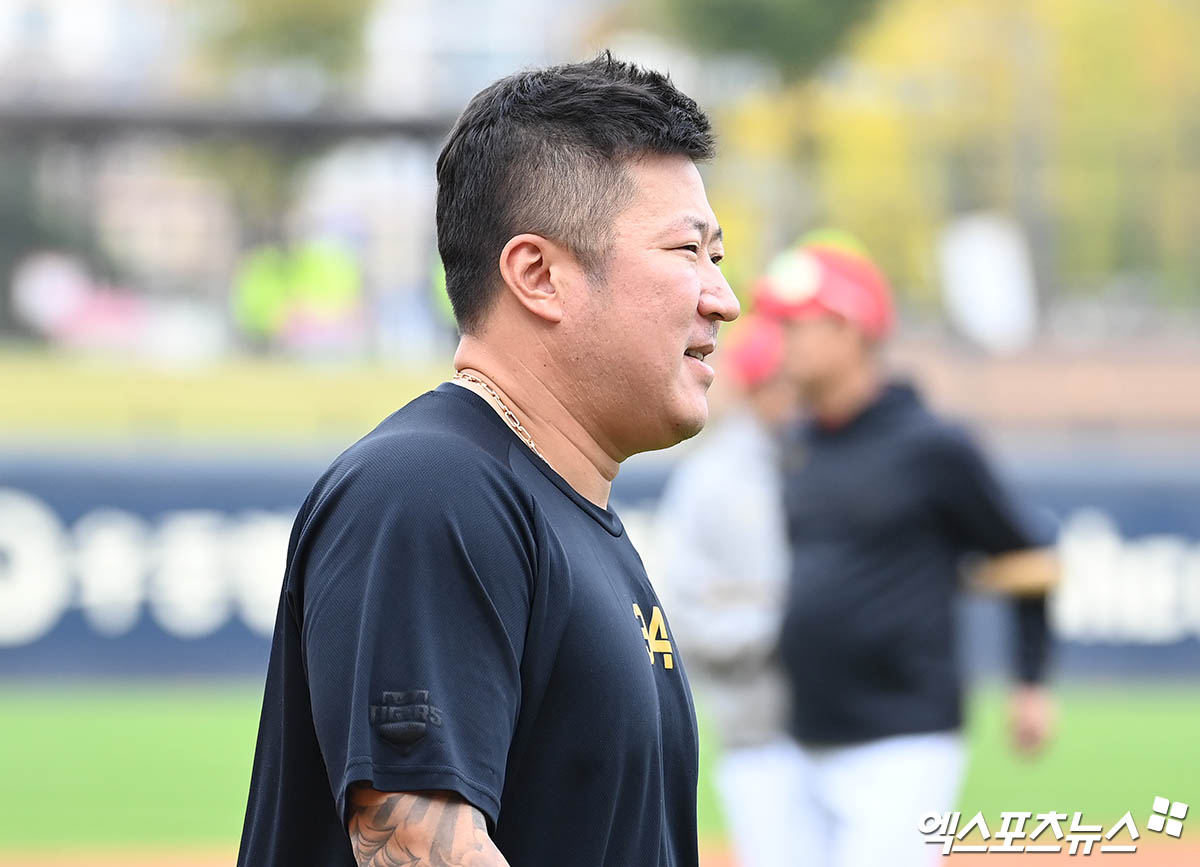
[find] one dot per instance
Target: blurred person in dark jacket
(884, 501)
(725, 565)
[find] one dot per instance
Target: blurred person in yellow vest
(308, 299)
(884, 501)
(724, 564)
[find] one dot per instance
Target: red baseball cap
(754, 350)
(816, 279)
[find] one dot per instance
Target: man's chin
(687, 425)
(683, 422)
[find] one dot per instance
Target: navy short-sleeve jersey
(456, 617)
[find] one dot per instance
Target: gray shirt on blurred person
(724, 566)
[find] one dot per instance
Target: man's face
(820, 350)
(661, 296)
(775, 401)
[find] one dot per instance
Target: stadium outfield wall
(161, 566)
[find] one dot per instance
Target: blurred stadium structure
(155, 144)
(217, 267)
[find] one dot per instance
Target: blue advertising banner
(155, 565)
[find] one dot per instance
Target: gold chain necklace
(509, 415)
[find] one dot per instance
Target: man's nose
(717, 300)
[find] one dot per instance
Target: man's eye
(691, 248)
(717, 257)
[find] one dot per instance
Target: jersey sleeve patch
(403, 717)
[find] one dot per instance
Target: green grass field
(123, 768)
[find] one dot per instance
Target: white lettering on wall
(34, 585)
(193, 571)
(112, 561)
(257, 546)
(1141, 591)
(190, 570)
(189, 588)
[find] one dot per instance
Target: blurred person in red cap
(884, 501)
(724, 569)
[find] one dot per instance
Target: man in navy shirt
(883, 501)
(469, 665)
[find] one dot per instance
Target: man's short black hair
(544, 151)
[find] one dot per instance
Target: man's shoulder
(434, 449)
(939, 433)
(931, 443)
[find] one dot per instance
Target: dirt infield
(1158, 854)
(1171, 854)
(116, 859)
(711, 857)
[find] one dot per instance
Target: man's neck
(561, 439)
(841, 400)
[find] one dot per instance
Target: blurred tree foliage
(1079, 119)
(261, 178)
(325, 32)
(795, 35)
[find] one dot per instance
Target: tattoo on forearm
(418, 829)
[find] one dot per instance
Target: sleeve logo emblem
(403, 717)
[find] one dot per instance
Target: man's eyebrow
(700, 225)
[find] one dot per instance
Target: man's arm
(1020, 565)
(1032, 572)
(417, 829)
(1026, 577)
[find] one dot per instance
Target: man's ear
(533, 269)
